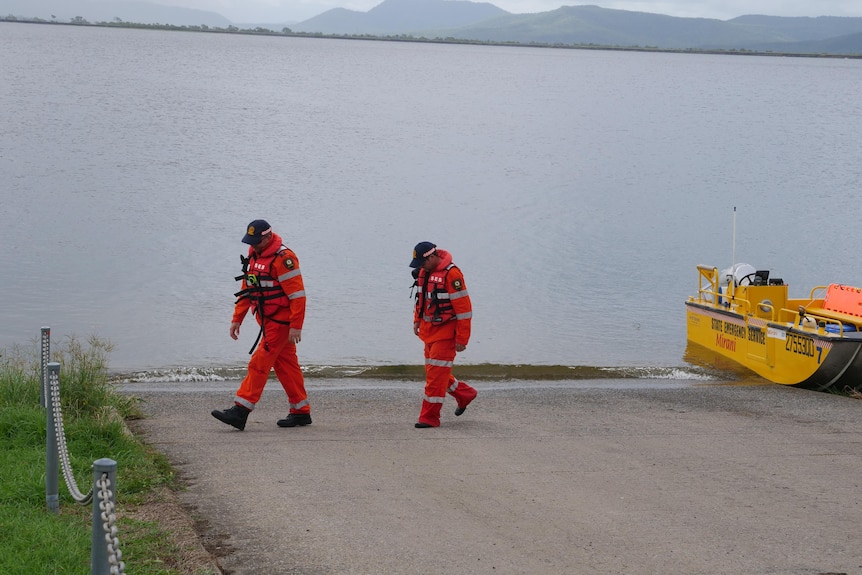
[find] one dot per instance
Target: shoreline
(422, 40)
(471, 372)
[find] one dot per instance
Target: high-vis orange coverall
(278, 304)
(444, 312)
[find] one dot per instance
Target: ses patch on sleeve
(289, 263)
(458, 285)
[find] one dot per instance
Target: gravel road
(583, 477)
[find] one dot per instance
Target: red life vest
(433, 299)
(261, 285)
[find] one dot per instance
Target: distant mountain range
(394, 17)
(482, 21)
(592, 25)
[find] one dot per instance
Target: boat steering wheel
(749, 277)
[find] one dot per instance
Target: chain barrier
(62, 449)
(46, 353)
(105, 554)
(109, 527)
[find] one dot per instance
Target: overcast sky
(295, 10)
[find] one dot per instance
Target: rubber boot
(294, 419)
(430, 415)
(235, 416)
(463, 394)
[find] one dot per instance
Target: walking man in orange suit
(273, 290)
(441, 319)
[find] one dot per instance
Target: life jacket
(261, 287)
(432, 298)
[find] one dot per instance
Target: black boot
(236, 416)
(295, 419)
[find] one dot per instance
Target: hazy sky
(288, 10)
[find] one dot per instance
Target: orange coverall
(280, 265)
(440, 339)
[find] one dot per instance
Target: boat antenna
(731, 279)
(733, 255)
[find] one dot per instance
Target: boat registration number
(800, 344)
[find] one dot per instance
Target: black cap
(255, 232)
(421, 253)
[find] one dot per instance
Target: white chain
(109, 520)
(61, 446)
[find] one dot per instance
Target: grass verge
(36, 540)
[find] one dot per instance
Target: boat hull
(782, 353)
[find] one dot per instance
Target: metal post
(46, 356)
(99, 564)
(52, 473)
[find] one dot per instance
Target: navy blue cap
(421, 253)
(255, 232)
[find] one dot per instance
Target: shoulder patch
(458, 285)
(289, 263)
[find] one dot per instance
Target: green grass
(34, 540)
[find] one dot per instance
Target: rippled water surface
(576, 189)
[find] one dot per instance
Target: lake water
(576, 189)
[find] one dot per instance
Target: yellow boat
(743, 315)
